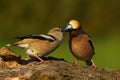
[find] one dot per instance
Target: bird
(40, 45)
(80, 43)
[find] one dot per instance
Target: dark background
(99, 18)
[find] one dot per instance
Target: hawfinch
(39, 45)
(80, 43)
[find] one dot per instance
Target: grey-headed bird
(39, 45)
(80, 43)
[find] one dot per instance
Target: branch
(15, 68)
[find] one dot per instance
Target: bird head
(73, 25)
(58, 33)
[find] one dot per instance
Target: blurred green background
(99, 18)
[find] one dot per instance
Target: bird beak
(62, 30)
(68, 28)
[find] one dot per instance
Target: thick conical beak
(68, 28)
(62, 30)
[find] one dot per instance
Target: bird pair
(38, 45)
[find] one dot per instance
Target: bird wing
(90, 41)
(39, 36)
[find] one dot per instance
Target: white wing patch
(47, 37)
(23, 45)
(30, 52)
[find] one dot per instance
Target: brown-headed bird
(39, 45)
(80, 43)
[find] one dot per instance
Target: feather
(37, 36)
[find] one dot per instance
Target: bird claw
(93, 66)
(42, 62)
(75, 62)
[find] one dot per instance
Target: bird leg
(90, 63)
(93, 64)
(41, 60)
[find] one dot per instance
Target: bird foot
(93, 66)
(42, 62)
(75, 62)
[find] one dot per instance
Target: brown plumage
(80, 43)
(38, 45)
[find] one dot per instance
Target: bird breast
(42, 48)
(81, 48)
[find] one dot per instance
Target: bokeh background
(99, 18)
